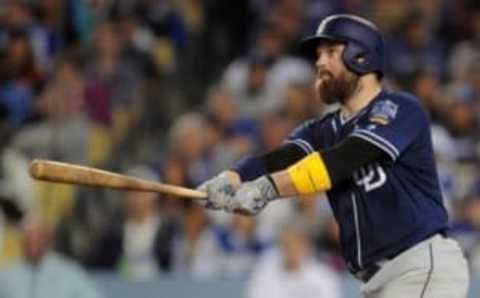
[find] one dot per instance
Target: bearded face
(340, 88)
(334, 82)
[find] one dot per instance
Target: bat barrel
(60, 172)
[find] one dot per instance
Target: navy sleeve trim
(302, 144)
(378, 141)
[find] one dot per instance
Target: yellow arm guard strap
(310, 175)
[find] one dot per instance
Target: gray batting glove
(253, 196)
(220, 191)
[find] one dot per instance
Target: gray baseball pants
(434, 268)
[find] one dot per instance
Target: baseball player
(374, 159)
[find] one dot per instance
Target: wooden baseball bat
(60, 172)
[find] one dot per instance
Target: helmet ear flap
(357, 59)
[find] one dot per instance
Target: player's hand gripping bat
(60, 172)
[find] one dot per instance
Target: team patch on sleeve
(383, 112)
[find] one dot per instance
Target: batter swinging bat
(61, 172)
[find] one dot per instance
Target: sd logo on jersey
(383, 112)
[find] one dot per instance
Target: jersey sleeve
(392, 125)
(304, 137)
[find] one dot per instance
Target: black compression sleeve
(283, 157)
(252, 167)
(342, 160)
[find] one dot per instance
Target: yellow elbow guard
(310, 175)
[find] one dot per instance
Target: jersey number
(370, 177)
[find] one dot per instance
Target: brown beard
(337, 89)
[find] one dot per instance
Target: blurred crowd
(178, 90)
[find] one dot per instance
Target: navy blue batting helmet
(364, 44)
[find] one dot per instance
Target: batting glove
(220, 191)
(253, 196)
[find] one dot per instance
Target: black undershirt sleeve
(349, 156)
(283, 157)
(341, 161)
(251, 167)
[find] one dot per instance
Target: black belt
(366, 274)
